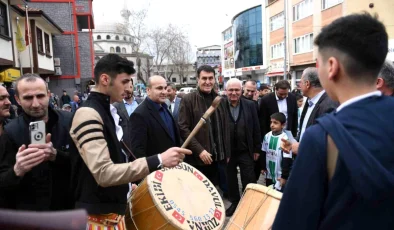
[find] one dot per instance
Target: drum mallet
(203, 120)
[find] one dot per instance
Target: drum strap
(332, 157)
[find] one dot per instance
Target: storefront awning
(9, 75)
(274, 74)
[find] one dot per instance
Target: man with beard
(5, 105)
(35, 176)
(125, 109)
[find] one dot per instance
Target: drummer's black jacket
(101, 177)
(46, 186)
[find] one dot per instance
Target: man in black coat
(152, 127)
(279, 101)
(317, 105)
(245, 141)
(35, 176)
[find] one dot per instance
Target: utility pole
(285, 40)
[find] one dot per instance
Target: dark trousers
(216, 173)
(246, 165)
(258, 167)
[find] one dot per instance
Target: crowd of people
(330, 155)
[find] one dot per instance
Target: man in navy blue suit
(343, 177)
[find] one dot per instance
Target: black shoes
(230, 211)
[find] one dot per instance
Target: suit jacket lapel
(275, 103)
(124, 110)
(315, 109)
(304, 110)
(156, 115)
(176, 106)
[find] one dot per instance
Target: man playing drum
(101, 171)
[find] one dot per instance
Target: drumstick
(202, 121)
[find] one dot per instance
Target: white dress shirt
(358, 98)
(282, 106)
(116, 117)
(312, 102)
(172, 105)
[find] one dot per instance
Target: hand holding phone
(26, 159)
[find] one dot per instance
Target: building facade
(305, 18)
(179, 75)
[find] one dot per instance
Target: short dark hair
(283, 84)
(359, 41)
(172, 85)
(279, 117)
(205, 68)
(29, 77)
(263, 87)
(299, 96)
(112, 64)
(387, 73)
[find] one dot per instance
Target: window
(4, 20)
(124, 50)
(328, 3)
(47, 44)
(173, 79)
(112, 50)
(302, 10)
(117, 49)
(303, 44)
(124, 38)
(277, 50)
(117, 38)
(40, 46)
(108, 37)
(98, 37)
(276, 22)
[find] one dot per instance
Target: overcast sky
(203, 20)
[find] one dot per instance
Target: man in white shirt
(317, 105)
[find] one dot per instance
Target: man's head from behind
(310, 81)
(250, 88)
(352, 50)
(385, 82)
(171, 91)
(5, 103)
(112, 75)
(157, 89)
(31, 92)
(205, 78)
(282, 89)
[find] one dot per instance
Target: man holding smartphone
(35, 175)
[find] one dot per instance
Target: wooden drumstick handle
(202, 121)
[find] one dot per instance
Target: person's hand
(256, 156)
(49, 151)
(264, 171)
(228, 159)
(282, 181)
(133, 187)
(26, 159)
(285, 145)
(256, 95)
(206, 157)
(173, 156)
(294, 147)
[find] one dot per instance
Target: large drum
(257, 209)
(175, 198)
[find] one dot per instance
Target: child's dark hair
(279, 117)
(299, 96)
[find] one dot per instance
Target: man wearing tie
(173, 101)
(153, 129)
(317, 105)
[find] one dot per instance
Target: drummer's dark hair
(279, 117)
(112, 64)
(359, 42)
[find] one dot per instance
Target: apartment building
(304, 20)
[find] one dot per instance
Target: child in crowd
(278, 163)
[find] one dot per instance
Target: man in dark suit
(152, 127)
(245, 141)
(125, 109)
(317, 105)
(279, 101)
(173, 101)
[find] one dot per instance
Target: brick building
(73, 51)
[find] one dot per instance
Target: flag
(20, 41)
(27, 40)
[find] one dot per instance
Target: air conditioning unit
(56, 61)
(58, 71)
